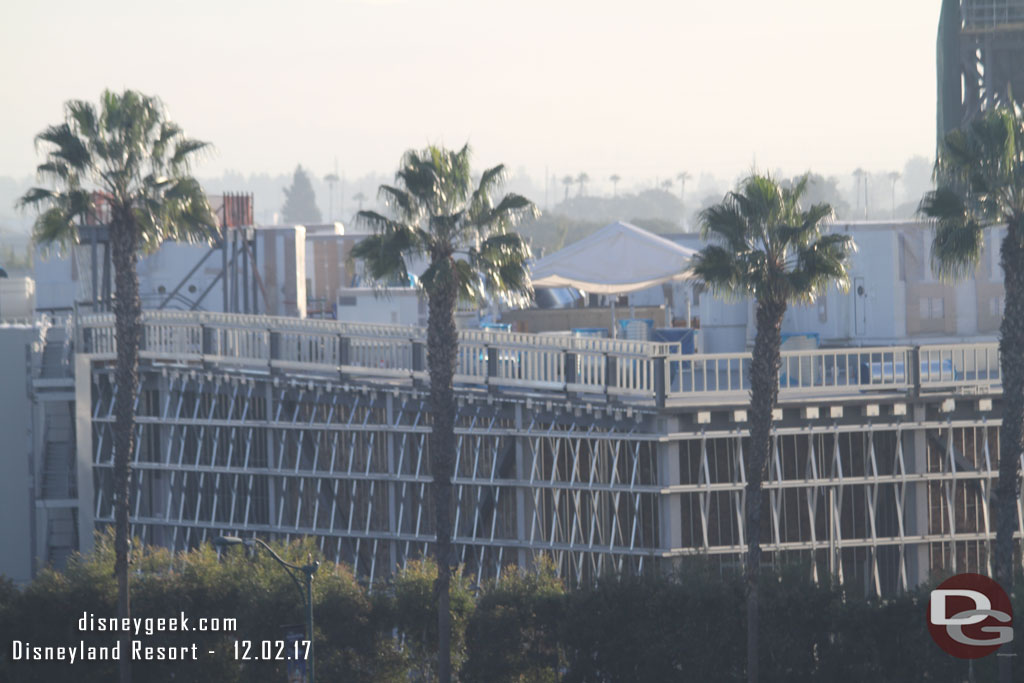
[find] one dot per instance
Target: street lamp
(293, 571)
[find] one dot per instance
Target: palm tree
(858, 175)
(359, 197)
(615, 178)
(682, 177)
(582, 179)
(980, 177)
(129, 157)
(567, 181)
(764, 245)
(438, 215)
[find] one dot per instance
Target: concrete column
(915, 454)
(272, 430)
(83, 451)
(670, 509)
(392, 465)
(524, 503)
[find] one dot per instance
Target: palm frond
(387, 250)
(54, 226)
(795, 191)
(419, 177)
(980, 170)
(820, 264)
(761, 243)
(467, 281)
(57, 212)
(36, 196)
(725, 224)
(501, 261)
(437, 211)
(67, 146)
(401, 202)
(57, 171)
(169, 132)
(720, 270)
(490, 183)
(956, 246)
(84, 116)
(117, 150)
(510, 210)
(383, 256)
(185, 150)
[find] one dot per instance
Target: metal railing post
(209, 340)
(492, 365)
(344, 355)
(611, 375)
(419, 359)
(569, 361)
(659, 381)
(915, 369)
(275, 348)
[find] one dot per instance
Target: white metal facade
(606, 455)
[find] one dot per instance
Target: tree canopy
(763, 244)
(300, 200)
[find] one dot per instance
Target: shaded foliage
(526, 627)
(513, 634)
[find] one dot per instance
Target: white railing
(960, 366)
(560, 362)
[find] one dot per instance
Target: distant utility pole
(857, 175)
(682, 178)
(867, 176)
(331, 179)
(894, 176)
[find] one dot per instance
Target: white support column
(392, 466)
(915, 454)
(985, 486)
(949, 490)
(813, 492)
(872, 505)
(523, 501)
(670, 509)
(83, 451)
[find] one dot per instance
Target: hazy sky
(639, 88)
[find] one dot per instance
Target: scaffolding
(881, 472)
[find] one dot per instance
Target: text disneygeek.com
(137, 649)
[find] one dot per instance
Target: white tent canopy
(617, 259)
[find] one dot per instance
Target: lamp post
(293, 571)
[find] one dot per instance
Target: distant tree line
(527, 626)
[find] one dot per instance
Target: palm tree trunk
(764, 394)
(442, 346)
(128, 321)
(1011, 436)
